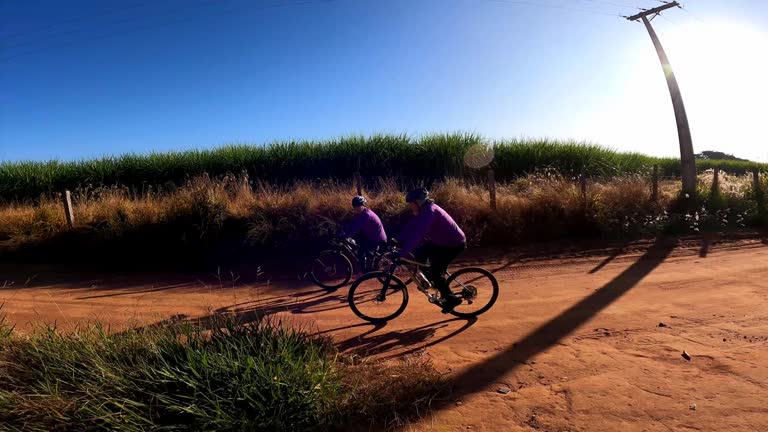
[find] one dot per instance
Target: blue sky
(87, 78)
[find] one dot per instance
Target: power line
(125, 20)
(692, 15)
(675, 26)
(76, 20)
(609, 3)
(554, 6)
(150, 26)
(131, 20)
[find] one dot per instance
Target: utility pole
(687, 160)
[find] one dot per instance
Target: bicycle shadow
(399, 343)
(369, 343)
(243, 313)
(372, 342)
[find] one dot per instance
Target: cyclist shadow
(371, 343)
(250, 311)
(400, 343)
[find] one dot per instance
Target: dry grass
(393, 392)
(739, 186)
(543, 206)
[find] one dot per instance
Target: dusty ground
(574, 344)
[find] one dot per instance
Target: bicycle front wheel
(477, 288)
(331, 270)
(370, 300)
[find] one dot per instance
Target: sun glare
(722, 69)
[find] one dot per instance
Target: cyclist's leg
(364, 251)
(423, 253)
(373, 254)
(441, 258)
(381, 247)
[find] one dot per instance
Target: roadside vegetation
(261, 376)
(407, 159)
(216, 220)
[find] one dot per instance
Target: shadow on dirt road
(372, 342)
(401, 342)
(304, 302)
(480, 375)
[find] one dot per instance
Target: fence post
(359, 183)
(716, 181)
(492, 188)
(68, 211)
(463, 174)
(583, 182)
(359, 179)
(759, 194)
(655, 184)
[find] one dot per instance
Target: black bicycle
(380, 296)
(333, 268)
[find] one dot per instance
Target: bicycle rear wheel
(370, 301)
(331, 270)
(477, 288)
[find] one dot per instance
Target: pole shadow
(706, 241)
(615, 254)
(491, 370)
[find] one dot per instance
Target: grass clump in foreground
(259, 376)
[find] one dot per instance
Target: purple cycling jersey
(369, 224)
(433, 223)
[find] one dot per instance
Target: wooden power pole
(687, 160)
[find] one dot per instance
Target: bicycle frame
(346, 246)
(460, 283)
(350, 249)
(417, 267)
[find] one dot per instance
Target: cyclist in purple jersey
(433, 235)
(366, 228)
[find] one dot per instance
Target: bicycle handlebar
(410, 259)
(344, 241)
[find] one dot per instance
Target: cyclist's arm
(414, 232)
(354, 227)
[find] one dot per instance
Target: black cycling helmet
(358, 201)
(417, 195)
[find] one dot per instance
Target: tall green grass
(426, 158)
(261, 376)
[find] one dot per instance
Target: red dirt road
(573, 344)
